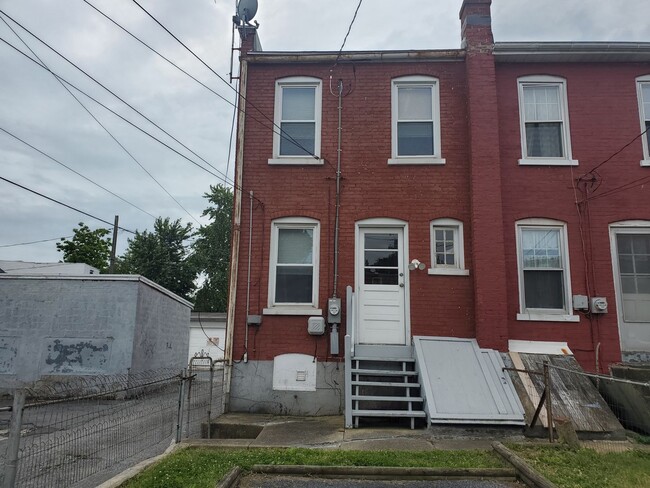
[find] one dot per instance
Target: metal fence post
(210, 400)
(181, 398)
(13, 443)
(549, 405)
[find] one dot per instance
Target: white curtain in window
(414, 103)
(295, 246)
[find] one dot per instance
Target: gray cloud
(35, 107)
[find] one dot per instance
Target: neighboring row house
(496, 192)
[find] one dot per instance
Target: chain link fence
(83, 431)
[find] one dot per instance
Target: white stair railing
(350, 314)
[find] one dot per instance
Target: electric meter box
(334, 311)
(598, 305)
(316, 326)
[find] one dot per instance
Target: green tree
(162, 257)
(212, 251)
(87, 246)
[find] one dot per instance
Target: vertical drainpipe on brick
(488, 249)
(248, 35)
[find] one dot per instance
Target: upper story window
(544, 118)
(544, 277)
(293, 267)
(297, 131)
(447, 248)
(643, 91)
(415, 107)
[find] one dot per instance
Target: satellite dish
(246, 10)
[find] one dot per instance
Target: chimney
(476, 25)
(249, 39)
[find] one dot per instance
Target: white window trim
(433, 159)
(293, 308)
(567, 160)
(459, 249)
(297, 81)
(643, 80)
(536, 314)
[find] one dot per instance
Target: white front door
(631, 260)
(381, 285)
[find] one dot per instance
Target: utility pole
(111, 266)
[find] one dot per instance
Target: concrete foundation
(252, 391)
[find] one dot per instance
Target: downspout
(236, 232)
(338, 191)
(248, 274)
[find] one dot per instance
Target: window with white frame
(643, 91)
(293, 279)
(447, 248)
(415, 108)
(544, 276)
(297, 135)
(544, 117)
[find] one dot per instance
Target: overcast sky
(36, 108)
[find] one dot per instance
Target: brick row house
(495, 192)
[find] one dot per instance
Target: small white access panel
(294, 372)
(463, 383)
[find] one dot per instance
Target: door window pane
(380, 241)
(381, 258)
(380, 276)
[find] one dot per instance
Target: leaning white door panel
(464, 384)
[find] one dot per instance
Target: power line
(354, 17)
(75, 171)
(626, 186)
(232, 130)
(121, 117)
(110, 91)
(59, 80)
(282, 133)
(617, 152)
(64, 204)
(35, 242)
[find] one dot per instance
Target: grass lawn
(586, 468)
(201, 468)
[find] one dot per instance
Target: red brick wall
(603, 116)
(440, 305)
(603, 113)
